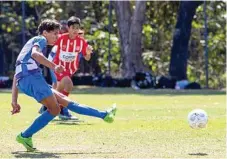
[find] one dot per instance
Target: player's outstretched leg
(107, 116)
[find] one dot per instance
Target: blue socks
(84, 110)
(38, 124)
(46, 117)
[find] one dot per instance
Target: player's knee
(68, 85)
(55, 110)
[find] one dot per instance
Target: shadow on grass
(69, 122)
(25, 154)
(40, 154)
(198, 154)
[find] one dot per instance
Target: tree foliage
(216, 15)
(157, 33)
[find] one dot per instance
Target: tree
(130, 30)
(160, 22)
(10, 28)
(179, 51)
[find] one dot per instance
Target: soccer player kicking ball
(28, 79)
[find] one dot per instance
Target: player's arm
(40, 58)
(14, 104)
(87, 57)
(88, 51)
(53, 78)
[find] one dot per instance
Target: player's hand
(59, 69)
(16, 108)
(89, 49)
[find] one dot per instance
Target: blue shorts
(34, 85)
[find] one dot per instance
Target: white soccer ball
(197, 118)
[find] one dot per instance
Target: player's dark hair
(48, 25)
(73, 20)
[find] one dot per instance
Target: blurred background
(153, 44)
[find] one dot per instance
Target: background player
(67, 49)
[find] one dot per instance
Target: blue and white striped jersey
(52, 53)
(51, 58)
(25, 64)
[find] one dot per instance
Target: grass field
(149, 124)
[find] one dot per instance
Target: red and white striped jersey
(67, 52)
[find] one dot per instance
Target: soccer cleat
(27, 142)
(109, 118)
(65, 115)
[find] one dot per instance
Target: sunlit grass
(149, 124)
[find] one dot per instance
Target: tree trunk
(130, 30)
(179, 51)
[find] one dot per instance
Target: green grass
(149, 124)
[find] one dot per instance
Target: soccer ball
(197, 118)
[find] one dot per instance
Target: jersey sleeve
(55, 50)
(53, 76)
(41, 42)
(51, 58)
(84, 47)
